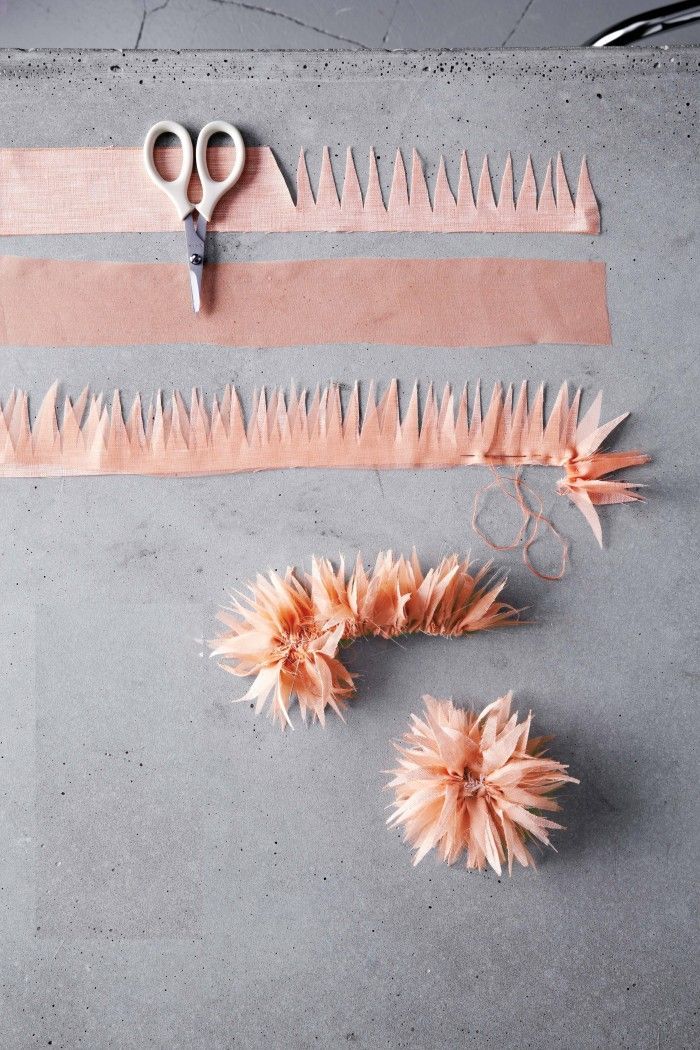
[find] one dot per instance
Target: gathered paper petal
(285, 430)
(474, 784)
(314, 302)
(105, 190)
(286, 633)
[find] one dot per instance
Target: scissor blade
(195, 289)
(195, 236)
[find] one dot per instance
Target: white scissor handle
(213, 190)
(176, 189)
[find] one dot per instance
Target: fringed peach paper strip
(286, 430)
(403, 302)
(475, 784)
(287, 631)
(106, 191)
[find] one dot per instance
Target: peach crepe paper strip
(400, 302)
(475, 784)
(287, 430)
(105, 190)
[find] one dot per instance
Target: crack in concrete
(147, 12)
(391, 22)
(289, 18)
(525, 10)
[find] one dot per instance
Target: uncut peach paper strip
(105, 190)
(399, 302)
(286, 430)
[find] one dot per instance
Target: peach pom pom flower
(275, 636)
(287, 633)
(474, 783)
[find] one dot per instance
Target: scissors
(177, 189)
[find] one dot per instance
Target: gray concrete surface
(177, 874)
(383, 24)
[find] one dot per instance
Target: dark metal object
(649, 23)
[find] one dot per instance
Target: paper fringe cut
(285, 430)
(310, 302)
(75, 190)
(474, 784)
(287, 632)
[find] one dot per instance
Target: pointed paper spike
(334, 414)
(429, 424)
(572, 420)
(389, 407)
(305, 197)
(180, 428)
(590, 421)
(323, 413)
(445, 206)
(565, 204)
(475, 426)
(374, 202)
(398, 194)
(596, 439)
(527, 198)
(420, 198)
(547, 207)
(351, 200)
(283, 422)
(536, 428)
(80, 404)
(586, 204)
(551, 441)
(582, 500)
(327, 196)
(260, 418)
(485, 201)
(519, 424)
(506, 202)
(462, 425)
(410, 425)
(351, 427)
(446, 403)
(369, 431)
(492, 417)
(137, 436)
(237, 433)
(465, 192)
(314, 411)
(225, 408)
(118, 444)
(7, 410)
(45, 428)
(199, 422)
(447, 417)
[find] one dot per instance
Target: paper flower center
(471, 785)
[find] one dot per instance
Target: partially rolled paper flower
(476, 784)
(287, 632)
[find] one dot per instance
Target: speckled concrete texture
(177, 874)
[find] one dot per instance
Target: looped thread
(529, 515)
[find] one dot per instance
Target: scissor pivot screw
(195, 259)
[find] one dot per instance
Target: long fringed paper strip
(287, 631)
(475, 784)
(401, 302)
(288, 430)
(105, 191)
